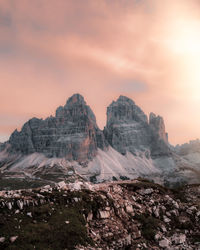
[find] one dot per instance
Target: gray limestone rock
(164, 243)
(128, 129)
(127, 125)
(72, 133)
(159, 141)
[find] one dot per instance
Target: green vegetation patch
(59, 224)
(144, 184)
(17, 183)
(150, 226)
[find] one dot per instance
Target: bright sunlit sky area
(148, 50)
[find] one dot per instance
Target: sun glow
(185, 38)
(184, 42)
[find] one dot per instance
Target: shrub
(149, 225)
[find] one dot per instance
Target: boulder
(129, 209)
(13, 238)
(156, 211)
(9, 205)
(2, 239)
(158, 236)
(164, 243)
(135, 232)
(29, 214)
(103, 214)
(184, 220)
(61, 185)
(145, 191)
(90, 216)
(20, 204)
(179, 239)
(166, 219)
(128, 240)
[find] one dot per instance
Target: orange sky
(148, 50)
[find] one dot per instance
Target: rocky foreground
(120, 215)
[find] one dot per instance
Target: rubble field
(133, 214)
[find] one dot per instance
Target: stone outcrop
(127, 126)
(159, 138)
(192, 147)
(72, 133)
(157, 124)
(128, 129)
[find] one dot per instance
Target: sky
(148, 50)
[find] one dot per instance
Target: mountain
(128, 129)
(190, 152)
(71, 144)
(72, 133)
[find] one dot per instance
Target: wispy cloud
(51, 49)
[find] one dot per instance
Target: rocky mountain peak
(76, 109)
(158, 125)
(159, 138)
(72, 133)
(76, 99)
(128, 129)
(125, 99)
(72, 138)
(124, 110)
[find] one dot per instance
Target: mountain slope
(71, 144)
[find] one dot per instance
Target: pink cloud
(52, 49)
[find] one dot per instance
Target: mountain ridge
(130, 145)
(76, 117)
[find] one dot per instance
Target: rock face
(128, 129)
(72, 133)
(127, 126)
(190, 152)
(159, 138)
(193, 147)
(157, 124)
(130, 146)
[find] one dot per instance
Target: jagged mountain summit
(72, 133)
(128, 129)
(71, 143)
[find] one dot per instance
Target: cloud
(51, 49)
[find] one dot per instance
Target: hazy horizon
(148, 50)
